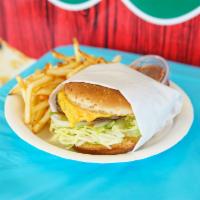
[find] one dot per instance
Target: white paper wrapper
(154, 104)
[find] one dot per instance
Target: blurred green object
(166, 9)
(168, 12)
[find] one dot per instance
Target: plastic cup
(153, 60)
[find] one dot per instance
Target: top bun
(97, 98)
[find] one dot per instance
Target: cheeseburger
(94, 119)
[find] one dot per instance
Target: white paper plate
(157, 144)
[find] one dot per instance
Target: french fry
(43, 121)
(21, 82)
(45, 91)
(16, 90)
(41, 106)
(77, 69)
(62, 64)
(22, 85)
(76, 50)
(61, 56)
(43, 80)
(35, 77)
(50, 85)
(62, 71)
(37, 116)
(43, 97)
(87, 57)
(117, 59)
(100, 60)
(47, 67)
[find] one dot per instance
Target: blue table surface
(28, 173)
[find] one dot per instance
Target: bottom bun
(125, 146)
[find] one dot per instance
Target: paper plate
(162, 141)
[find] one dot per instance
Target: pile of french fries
(35, 89)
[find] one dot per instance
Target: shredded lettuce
(107, 132)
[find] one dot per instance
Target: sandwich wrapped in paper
(110, 109)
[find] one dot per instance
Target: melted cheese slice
(76, 114)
